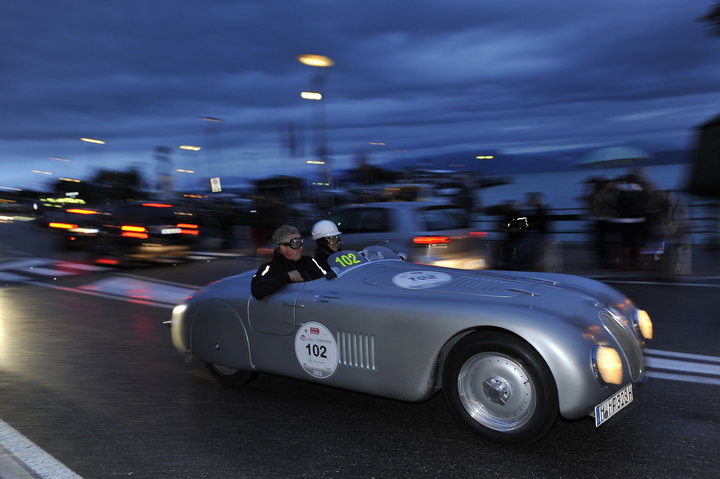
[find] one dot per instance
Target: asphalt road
(92, 380)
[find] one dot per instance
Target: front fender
(218, 335)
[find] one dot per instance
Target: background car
(511, 351)
(77, 227)
(427, 232)
(146, 232)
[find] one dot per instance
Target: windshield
(345, 260)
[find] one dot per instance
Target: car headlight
(643, 323)
(607, 365)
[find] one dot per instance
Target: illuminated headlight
(607, 365)
(643, 323)
(178, 311)
(178, 333)
(87, 231)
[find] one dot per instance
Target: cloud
(425, 77)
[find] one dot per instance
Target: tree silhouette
(712, 19)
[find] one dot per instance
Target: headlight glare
(607, 365)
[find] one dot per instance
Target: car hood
(491, 284)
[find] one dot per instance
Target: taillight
(479, 234)
(430, 240)
(79, 211)
(107, 261)
(157, 205)
(188, 229)
(63, 226)
(134, 232)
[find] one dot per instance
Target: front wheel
(231, 376)
(499, 386)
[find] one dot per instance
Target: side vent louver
(356, 350)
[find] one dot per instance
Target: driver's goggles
(294, 243)
(333, 240)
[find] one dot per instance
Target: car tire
(231, 376)
(499, 387)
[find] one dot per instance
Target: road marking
(663, 283)
(137, 289)
(686, 367)
(12, 277)
(26, 460)
(684, 378)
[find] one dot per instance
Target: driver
(287, 266)
(327, 241)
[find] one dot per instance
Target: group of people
(631, 215)
(289, 265)
(526, 229)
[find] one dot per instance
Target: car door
(275, 314)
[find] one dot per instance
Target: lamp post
(93, 141)
(188, 165)
(213, 129)
(323, 64)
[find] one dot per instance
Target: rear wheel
(231, 376)
(499, 386)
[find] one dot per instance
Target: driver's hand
(295, 276)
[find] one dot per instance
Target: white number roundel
(420, 279)
(316, 350)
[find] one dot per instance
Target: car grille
(356, 350)
(620, 328)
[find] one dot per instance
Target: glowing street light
(93, 140)
(190, 147)
(315, 60)
(323, 64)
(311, 95)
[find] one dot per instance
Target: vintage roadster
(510, 350)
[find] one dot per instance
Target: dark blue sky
(424, 77)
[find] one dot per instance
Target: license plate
(612, 405)
(170, 231)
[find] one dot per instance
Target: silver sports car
(511, 351)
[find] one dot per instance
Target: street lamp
(315, 60)
(213, 129)
(93, 141)
(323, 64)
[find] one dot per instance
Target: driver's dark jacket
(273, 275)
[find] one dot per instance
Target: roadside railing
(575, 224)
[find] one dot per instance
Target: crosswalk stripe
(80, 266)
(12, 277)
(29, 269)
(47, 271)
(133, 288)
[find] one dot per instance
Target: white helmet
(323, 229)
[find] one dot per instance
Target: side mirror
(403, 255)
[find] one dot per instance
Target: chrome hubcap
(496, 391)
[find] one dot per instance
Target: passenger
(328, 241)
(287, 266)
